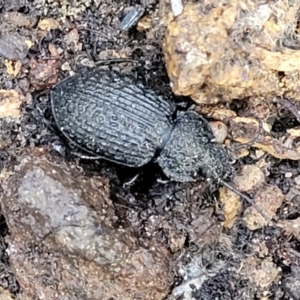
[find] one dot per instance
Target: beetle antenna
(248, 199)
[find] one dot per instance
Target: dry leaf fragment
(286, 60)
(10, 102)
(9, 67)
(144, 23)
(53, 50)
(294, 132)
(217, 113)
(66, 66)
(13, 69)
(247, 130)
(232, 206)
(29, 43)
(48, 23)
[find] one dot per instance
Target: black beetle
(108, 115)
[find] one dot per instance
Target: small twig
(107, 61)
(131, 181)
(290, 106)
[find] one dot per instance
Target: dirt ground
(75, 229)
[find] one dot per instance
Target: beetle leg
(82, 156)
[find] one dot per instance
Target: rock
(269, 198)
(43, 74)
(65, 243)
(261, 271)
(18, 19)
(249, 178)
(13, 46)
(233, 49)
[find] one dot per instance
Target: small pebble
(220, 131)
(177, 7)
(250, 177)
(288, 175)
(269, 198)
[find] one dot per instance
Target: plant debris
(232, 206)
(48, 23)
(10, 102)
(245, 130)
